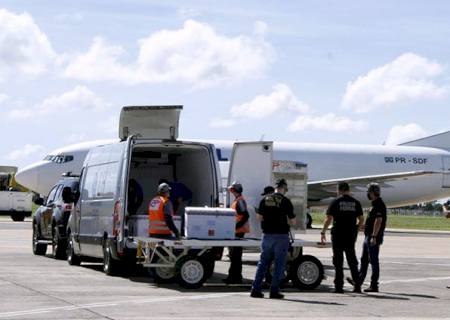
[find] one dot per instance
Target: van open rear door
(251, 165)
(150, 122)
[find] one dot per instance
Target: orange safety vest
(246, 227)
(157, 223)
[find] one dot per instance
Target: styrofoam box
(138, 225)
(209, 223)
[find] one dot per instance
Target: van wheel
(190, 272)
(306, 272)
(59, 246)
(17, 217)
(72, 258)
(110, 266)
(163, 274)
(39, 249)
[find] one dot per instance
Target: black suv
(50, 219)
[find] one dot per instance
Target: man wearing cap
(160, 213)
(239, 205)
(344, 212)
(276, 213)
(374, 233)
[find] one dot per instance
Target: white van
(101, 226)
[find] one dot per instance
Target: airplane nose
(28, 177)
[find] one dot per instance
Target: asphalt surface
(415, 270)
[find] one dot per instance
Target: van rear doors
(251, 165)
(150, 122)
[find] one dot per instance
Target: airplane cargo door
(251, 165)
(446, 175)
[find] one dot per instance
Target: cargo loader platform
(190, 262)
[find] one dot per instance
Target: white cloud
(281, 99)
(99, 64)
(327, 122)
(80, 98)
(3, 98)
(194, 54)
(222, 123)
(404, 133)
(406, 79)
(24, 48)
(25, 151)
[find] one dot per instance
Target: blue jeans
(370, 255)
(274, 247)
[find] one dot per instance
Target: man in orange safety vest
(242, 227)
(160, 215)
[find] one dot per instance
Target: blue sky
(314, 71)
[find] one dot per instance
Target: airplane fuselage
(339, 161)
(325, 162)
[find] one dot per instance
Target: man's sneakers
(350, 280)
(338, 290)
(276, 295)
(256, 294)
(273, 295)
(357, 289)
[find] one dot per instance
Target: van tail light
(116, 218)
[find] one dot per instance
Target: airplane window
(58, 159)
(68, 158)
(49, 157)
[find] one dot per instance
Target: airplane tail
(440, 141)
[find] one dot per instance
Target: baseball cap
(268, 190)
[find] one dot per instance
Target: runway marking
(116, 303)
(414, 280)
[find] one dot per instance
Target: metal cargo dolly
(190, 262)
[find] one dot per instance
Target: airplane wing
(318, 190)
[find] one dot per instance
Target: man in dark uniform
(374, 233)
(275, 212)
(344, 211)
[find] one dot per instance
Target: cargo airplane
(414, 172)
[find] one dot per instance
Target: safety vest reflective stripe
(246, 227)
(157, 223)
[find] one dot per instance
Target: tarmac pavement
(415, 270)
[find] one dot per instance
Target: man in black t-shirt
(374, 233)
(344, 212)
(276, 213)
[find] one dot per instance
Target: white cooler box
(138, 225)
(209, 223)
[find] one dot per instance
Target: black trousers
(339, 248)
(235, 271)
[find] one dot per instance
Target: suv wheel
(39, 249)
(59, 245)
